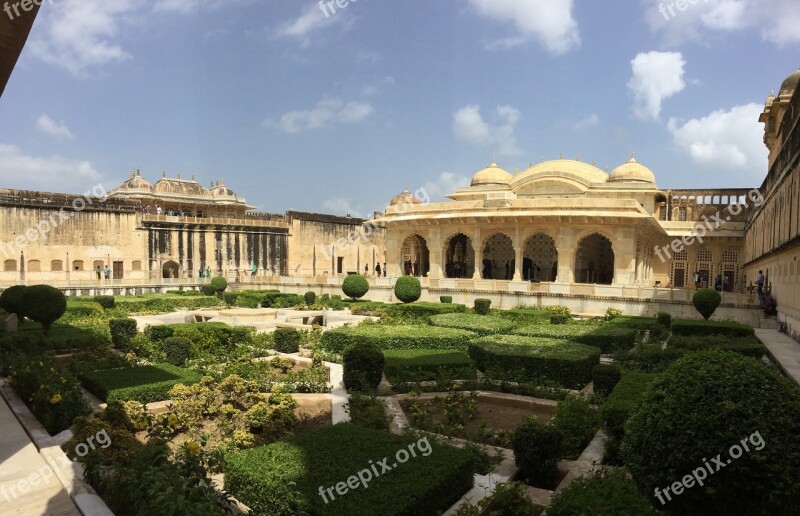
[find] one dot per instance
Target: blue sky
(337, 114)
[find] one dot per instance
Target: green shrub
(208, 290)
(608, 338)
(368, 411)
(558, 309)
(283, 478)
(105, 301)
(665, 319)
(159, 333)
(651, 358)
(657, 332)
(276, 299)
(559, 318)
(407, 289)
(508, 498)
(706, 301)
(287, 340)
(729, 329)
(605, 377)
(482, 306)
(80, 309)
(624, 400)
(396, 337)
(524, 359)
(478, 324)
(632, 321)
(177, 350)
(122, 331)
(446, 299)
(578, 422)
(214, 339)
(11, 300)
(355, 286)
(605, 491)
(711, 402)
(749, 346)
(526, 315)
(144, 384)
(537, 448)
(219, 284)
(418, 365)
(43, 304)
(612, 313)
(310, 297)
(363, 367)
(420, 312)
(230, 298)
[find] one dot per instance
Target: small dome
(492, 175)
(589, 173)
(136, 182)
(222, 191)
(404, 198)
(789, 85)
(632, 171)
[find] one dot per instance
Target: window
(34, 266)
(77, 265)
(682, 213)
(56, 266)
(10, 266)
(339, 265)
(662, 212)
(136, 265)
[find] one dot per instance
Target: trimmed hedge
(407, 289)
(523, 359)
(606, 491)
(287, 340)
(160, 304)
(11, 299)
(424, 310)
(43, 304)
(748, 346)
(177, 350)
(481, 306)
(122, 331)
(280, 300)
(396, 337)
(446, 299)
(626, 397)
(605, 377)
(230, 298)
(560, 318)
(526, 315)
(217, 339)
(479, 324)
(310, 297)
(355, 286)
(144, 384)
(82, 307)
(632, 321)
(421, 365)
(283, 478)
(537, 449)
(363, 367)
(105, 301)
(606, 337)
(706, 301)
(729, 329)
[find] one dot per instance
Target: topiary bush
(287, 340)
(363, 367)
(11, 300)
(720, 403)
(43, 304)
(605, 377)
(578, 421)
(177, 350)
(355, 286)
(230, 298)
(606, 491)
(706, 301)
(208, 290)
(219, 284)
(559, 318)
(309, 297)
(482, 306)
(122, 331)
(727, 328)
(665, 319)
(446, 299)
(537, 447)
(158, 333)
(105, 301)
(407, 289)
(396, 337)
(475, 323)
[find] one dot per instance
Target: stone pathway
(784, 351)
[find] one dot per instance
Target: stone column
(477, 252)
(518, 248)
(566, 246)
(435, 247)
(625, 257)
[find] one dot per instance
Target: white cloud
(550, 22)
(325, 113)
(342, 207)
(446, 184)
(51, 174)
(191, 6)
(311, 20)
(590, 121)
(375, 87)
(724, 139)
(656, 77)
(58, 130)
(470, 127)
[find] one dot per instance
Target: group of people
(103, 272)
(378, 270)
(411, 269)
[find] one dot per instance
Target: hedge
(420, 365)
(213, 338)
(284, 478)
(122, 331)
(396, 337)
(748, 346)
(105, 301)
(605, 491)
(160, 304)
(605, 377)
(362, 366)
(84, 308)
(519, 358)
(632, 321)
(287, 340)
(479, 324)
(144, 384)
(482, 305)
(62, 337)
(607, 338)
(280, 300)
(526, 315)
(730, 329)
(626, 397)
(424, 309)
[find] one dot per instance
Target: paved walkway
(28, 485)
(784, 350)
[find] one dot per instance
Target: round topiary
(665, 319)
(355, 286)
(11, 300)
(177, 350)
(446, 299)
(537, 447)
(605, 377)
(309, 297)
(287, 340)
(482, 306)
(706, 301)
(219, 284)
(363, 367)
(230, 298)
(105, 301)
(407, 289)
(208, 290)
(722, 413)
(43, 304)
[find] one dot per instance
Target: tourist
(201, 271)
(98, 271)
(107, 272)
(384, 269)
(253, 269)
(378, 270)
(696, 280)
(760, 283)
(158, 209)
(718, 283)
(366, 270)
(208, 271)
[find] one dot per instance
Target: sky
(336, 107)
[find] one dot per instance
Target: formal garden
(571, 415)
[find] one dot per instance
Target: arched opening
(540, 259)
(415, 258)
(34, 266)
(594, 261)
(704, 268)
(497, 261)
(171, 269)
(459, 257)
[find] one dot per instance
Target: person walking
(378, 270)
(202, 271)
(760, 283)
(98, 271)
(366, 270)
(253, 270)
(208, 271)
(384, 269)
(107, 272)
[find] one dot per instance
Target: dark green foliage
(230, 298)
(355, 286)
(559, 318)
(605, 377)
(208, 290)
(665, 319)
(632, 321)
(396, 337)
(705, 404)
(706, 301)
(607, 337)
(310, 297)
(479, 324)
(651, 358)
(578, 422)
(368, 411)
(508, 499)
(657, 333)
(606, 491)
(79, 308)
(152, 304)
(43, 304)
(287, 340)
(214, 339)
(145, 384)
(526, 315)
(177, 350)
(219, 284)
(60, 338)
(482, 306)
(363, 367)
(693, 328)
(446, 299)
(537, 449)
(420, 365)
(407, 289)
(105, 301)
(420, 312)
(11, 300)
(281, 300)
(122, 331)
(159, 333)
(749, 346)
(620, 406)
(524, 359)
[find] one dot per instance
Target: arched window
(10, 266)
(459, 257)
(540, 259)
(136, 265)
(56, 266)
(34, 266)
(498, 258)
(594, 260)
(415, 256)
(77, 265)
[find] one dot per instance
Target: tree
(355, 286)
(43, 304)
(407, 289)
(706, 301)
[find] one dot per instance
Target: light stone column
(625, 257)
(518, 245)
(566, 247)
(477, 253)
(435, 251)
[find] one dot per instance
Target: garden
(593, 413)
